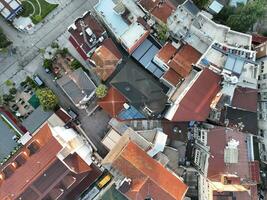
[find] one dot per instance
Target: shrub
(101, 91)
(13, 91)
(55, 45)
(75, 64)
(47, 98)
(36, 19)
(63, 52)
(23, 83)
(9, 83)
(48, 64)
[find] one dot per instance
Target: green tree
(162, 31)
(48, 64)
(222, 16)
(101, 91)
(4, 42)
(9, 83)
(63, 52)
(13, 91)
(8, 97)
(36, 19)
(55, 45)
(243, 17)
(75, 64)
(201, 3)
(47, 98)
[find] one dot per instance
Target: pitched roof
(245, 98)
(258, 39)
(166, 52)
(163, 11)
(245, 120)
(218, 139)
(140, 88)
(149, 5)
(113, 102)
(183, 60)
(76, 85)
(160, 9)
(75, 162)
(76, 30)
(35, 164)
(106, 57)
(195, 105)
(158, 183)
(180, 60)
(172, 77)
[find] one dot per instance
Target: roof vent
(231, 152)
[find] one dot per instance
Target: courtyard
(37, 10)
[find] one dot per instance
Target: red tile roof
(78, 48)
(166, 52)
(183, 60)
(180, 60)
(75, 162)
(163, 11)
(149, 177)
(245, 98)
(195, 105)
(41, 171)
(160, 9)
(35, 164)
(106, 58)
(148, 5)
(172, 77)
(113, 102)
(218, 139)
(258, 39)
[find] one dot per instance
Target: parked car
(38, 80)
(72, 114)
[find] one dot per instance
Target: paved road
(28, 45)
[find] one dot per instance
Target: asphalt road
(28, 45)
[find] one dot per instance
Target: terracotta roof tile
(195, 105)
(245, 98)
(183, 60)
(172, 77)
(113, 102)
(180, 60)
(148, 5)
(106, 58)
(35, 164)
(258, 39)
(75, 162)
(166, 52)
(149, 178)
(163, 11)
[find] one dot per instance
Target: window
(264, 76)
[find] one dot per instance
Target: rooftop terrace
(113, 20)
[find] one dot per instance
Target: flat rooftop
(106, 9)
(200, 31)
